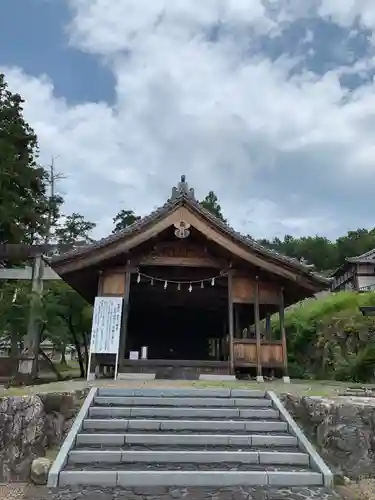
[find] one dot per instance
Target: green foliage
(324, 254)
(329, 338)
(14, 306)
(211, 203)
(124, 219)
(74, 229)
(24, 196)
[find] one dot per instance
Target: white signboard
(106, 325)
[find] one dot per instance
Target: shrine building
(197, 294)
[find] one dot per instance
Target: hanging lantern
(152, 281)
(179, 286)
(165, 285)
(138, 278)
(213, 282)
(190, 288)
(202, 285)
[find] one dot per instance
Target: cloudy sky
(270, 103)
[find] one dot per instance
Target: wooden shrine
(196, 293)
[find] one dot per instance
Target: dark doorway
(176, 324)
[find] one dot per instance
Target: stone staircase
(129, 438)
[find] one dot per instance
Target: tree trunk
(14, 353)
(78, 348)
(85, 345)
(63, 358)
(52, 366)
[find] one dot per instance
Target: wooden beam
(182, 262)
(283, 335)
(231, 322)
(26, 273)
(257, 330)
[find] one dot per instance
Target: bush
(328, 338)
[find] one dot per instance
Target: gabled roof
(364, 258)
(183, 196)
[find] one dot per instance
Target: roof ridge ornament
(182, 189)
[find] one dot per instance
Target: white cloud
(284, 154)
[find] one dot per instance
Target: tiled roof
(187, 200)
(365, 257)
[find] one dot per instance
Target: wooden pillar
(125, 317)
(286, 378)
(257, 330)
(237, 324)
(268, 326)
(231, 322)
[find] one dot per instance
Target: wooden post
(231, 322)
(237, 323)
(92, 362)
(125, 317)
(268, 326)
(257, 330)
(286, 378)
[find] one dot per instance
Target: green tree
(74, 229)
(211, 203)
(124, 219)
(68, 320)
(24, 196)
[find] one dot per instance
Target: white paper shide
(106, 325)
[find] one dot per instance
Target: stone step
(165, 439)
(185, 425)
(180, 393)
(183, 456)
(182, 412)
(136, 478)
(182, 402)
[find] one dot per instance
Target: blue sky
(43, 48)
(269, 103)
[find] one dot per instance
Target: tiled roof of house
(365, 257)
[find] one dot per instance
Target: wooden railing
(245, 353)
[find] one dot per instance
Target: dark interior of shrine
(175, 323)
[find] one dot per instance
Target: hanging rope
(153, 279)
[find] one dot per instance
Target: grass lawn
(321, 388)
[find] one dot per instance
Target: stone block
(283, 458)
(93, 456)
(105, 424)
(39, 470)
(246, 393)
(286, 478)
(252, 402)
(145, 425)
(265, 426)
(273, 440)
(101, 439)
(191, 478)
(259, 413)
(88, 478)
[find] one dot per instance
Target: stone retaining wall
(343, 431)
(31, 425)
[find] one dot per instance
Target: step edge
(163, 478)
(315, 459)
(61, 459)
